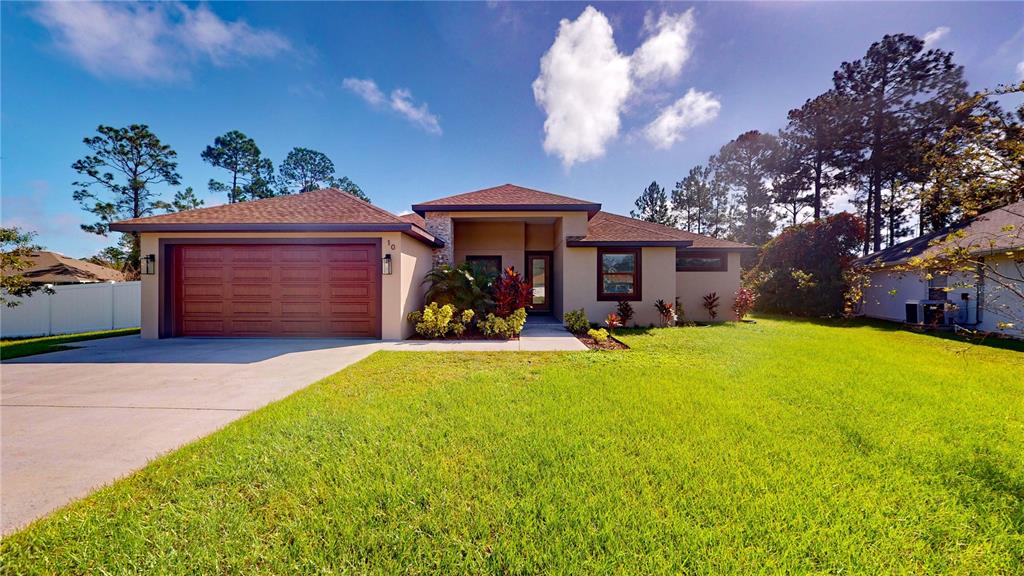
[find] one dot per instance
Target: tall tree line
(120, 179)
(897, 131)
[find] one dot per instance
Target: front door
(538, 267)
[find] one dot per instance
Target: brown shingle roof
(320, 210)
(982, 234)
(413, 218)
(53, 268)
(507, 197)
(605, 227)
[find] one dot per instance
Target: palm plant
(460, 287)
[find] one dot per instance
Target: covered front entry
(263, 290)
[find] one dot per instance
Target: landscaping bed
(611, 343)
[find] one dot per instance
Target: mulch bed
(610, 344)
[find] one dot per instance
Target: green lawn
(780, 446)
(18, 347)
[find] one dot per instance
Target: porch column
(440, 225)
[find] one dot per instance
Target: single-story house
(975, 300)
(324, 263)
(55, 268)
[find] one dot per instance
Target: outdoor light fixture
(149, 266)
(387, 264)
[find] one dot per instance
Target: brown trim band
(410, 229)
(590, 209)
(627, 243)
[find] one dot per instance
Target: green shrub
(598, 334)
(576, 321)
(462, 286)
(496, 326)
(437, 321)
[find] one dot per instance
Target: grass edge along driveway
(18, 347)
(781, 446)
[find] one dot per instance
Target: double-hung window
(618, 274)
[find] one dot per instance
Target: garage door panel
(204, 274)
(290, 254)
(350, 274)
(251, 274)
(250, 291)
(301, 308)
(350, 291)
(357, 309)
(194, 307)
(277, 290)
(203, 291)
(301, 292)
(353, 328)
(200, 327)
(356, 254)
(291, 274)
(204, 254)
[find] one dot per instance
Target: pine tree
(652, 206)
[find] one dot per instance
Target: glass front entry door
(539, 268)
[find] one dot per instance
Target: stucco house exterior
(324, 263)
(978, 300)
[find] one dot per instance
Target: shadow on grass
(886, 326)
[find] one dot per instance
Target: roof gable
(507, 197)
(328, 209)
(607, 228)
(982, 234)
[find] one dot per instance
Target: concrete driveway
(73, 421)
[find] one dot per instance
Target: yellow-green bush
(496, 326)
(436, 321)
(598, 334)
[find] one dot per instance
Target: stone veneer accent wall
(440, 225)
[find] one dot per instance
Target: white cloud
(400, 101)
(933, 36)
(693, 109)
(366, 89)
(663, 54)
(583, 84)
(223, 42)
(1020, 70)
(151, 41)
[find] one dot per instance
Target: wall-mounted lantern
(149, 264)
(387, 265)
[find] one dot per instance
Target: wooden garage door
(277, 290)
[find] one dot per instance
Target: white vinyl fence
(74, 308)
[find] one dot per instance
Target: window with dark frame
(701, 261)
(485, 264)
(618, 274)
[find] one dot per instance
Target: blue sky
(417, 101)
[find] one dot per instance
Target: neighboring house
(324, 263)
(978, 300)
(53, 268)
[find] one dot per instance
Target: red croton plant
(511, 292)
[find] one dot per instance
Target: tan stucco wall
(540, 236)
(580, 278)
(505, 239)
(398, 294)
(692, 286)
